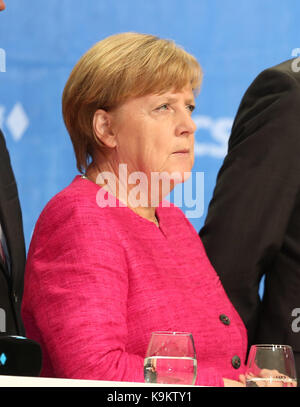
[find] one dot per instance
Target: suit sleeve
(6, 172)
(255, 190)
(12, 225)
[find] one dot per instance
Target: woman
(110, 260)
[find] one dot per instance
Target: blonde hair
(115, 69)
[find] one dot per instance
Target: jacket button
(224, 318)
(236, 362)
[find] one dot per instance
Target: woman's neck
(108, 178)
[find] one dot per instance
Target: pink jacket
(98, 281)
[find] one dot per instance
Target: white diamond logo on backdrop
(17, 121)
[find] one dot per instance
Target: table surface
(22, 381)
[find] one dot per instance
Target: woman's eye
(191, 108)
(163, 107)
(166, 106)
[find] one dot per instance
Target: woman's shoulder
(76, 200)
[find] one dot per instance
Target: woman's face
(155, 133)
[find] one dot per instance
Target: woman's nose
(186, 125)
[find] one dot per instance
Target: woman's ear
(102, 128)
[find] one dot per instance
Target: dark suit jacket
(253, 222)
(11, 286)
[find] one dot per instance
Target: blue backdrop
(40, 41)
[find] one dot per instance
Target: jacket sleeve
(255, 190)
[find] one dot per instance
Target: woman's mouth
(183, 151)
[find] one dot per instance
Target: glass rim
(171, 333)
(270, 345)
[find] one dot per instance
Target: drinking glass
(171, 358)
(271, 366)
